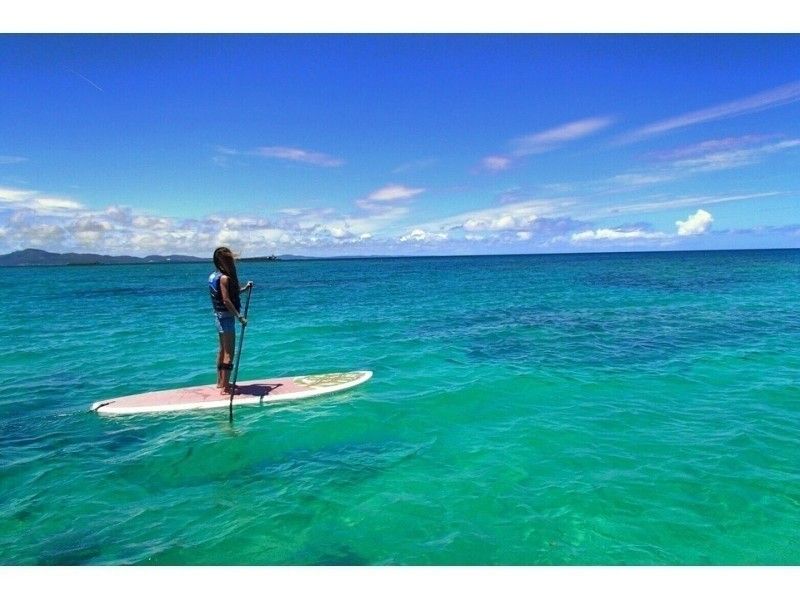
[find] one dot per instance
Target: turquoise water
(583, 409)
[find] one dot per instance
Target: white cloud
(37, 203)
(709, 146)
(708, 156)
(338, 232)
(383, 201)
(118, 214)
(610, 234)
(509, 223)
(227, 236)
(15, 196)
(151, 223)
(669, 204)
(292, 154)
(496, 163)
(307, 222)
(43, 234)
(393, 193)
(55, 205)
(724, 160)
(61, 224)
(696, 224)
(761, 101)
(90, 224)
(519, 214)
(234, 222)
(415, 165)
(547, 140)
(501, 222)
(636, 179)
(421, 236)
(298, 155)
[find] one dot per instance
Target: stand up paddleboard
(253, 392)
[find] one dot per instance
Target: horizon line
(197, 259)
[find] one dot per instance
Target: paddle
(239, 354)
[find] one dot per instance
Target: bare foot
(226, 390)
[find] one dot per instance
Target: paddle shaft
(239, 355)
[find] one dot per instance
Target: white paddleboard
(252, 392)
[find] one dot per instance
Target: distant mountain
(289, 256)
(275, 258)
(38, 257)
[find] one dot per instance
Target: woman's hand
(243, 320)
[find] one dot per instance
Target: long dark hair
(223, 261)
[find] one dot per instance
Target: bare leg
(220, 361)
(228, 342)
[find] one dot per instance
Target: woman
(223, 285)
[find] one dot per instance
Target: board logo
(328, 379)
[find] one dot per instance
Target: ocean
(603, 409)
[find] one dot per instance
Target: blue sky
(398, 144)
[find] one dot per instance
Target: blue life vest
(216, 293)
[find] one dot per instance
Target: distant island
(275, 258)
(39, 257)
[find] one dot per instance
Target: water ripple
(614, 409)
